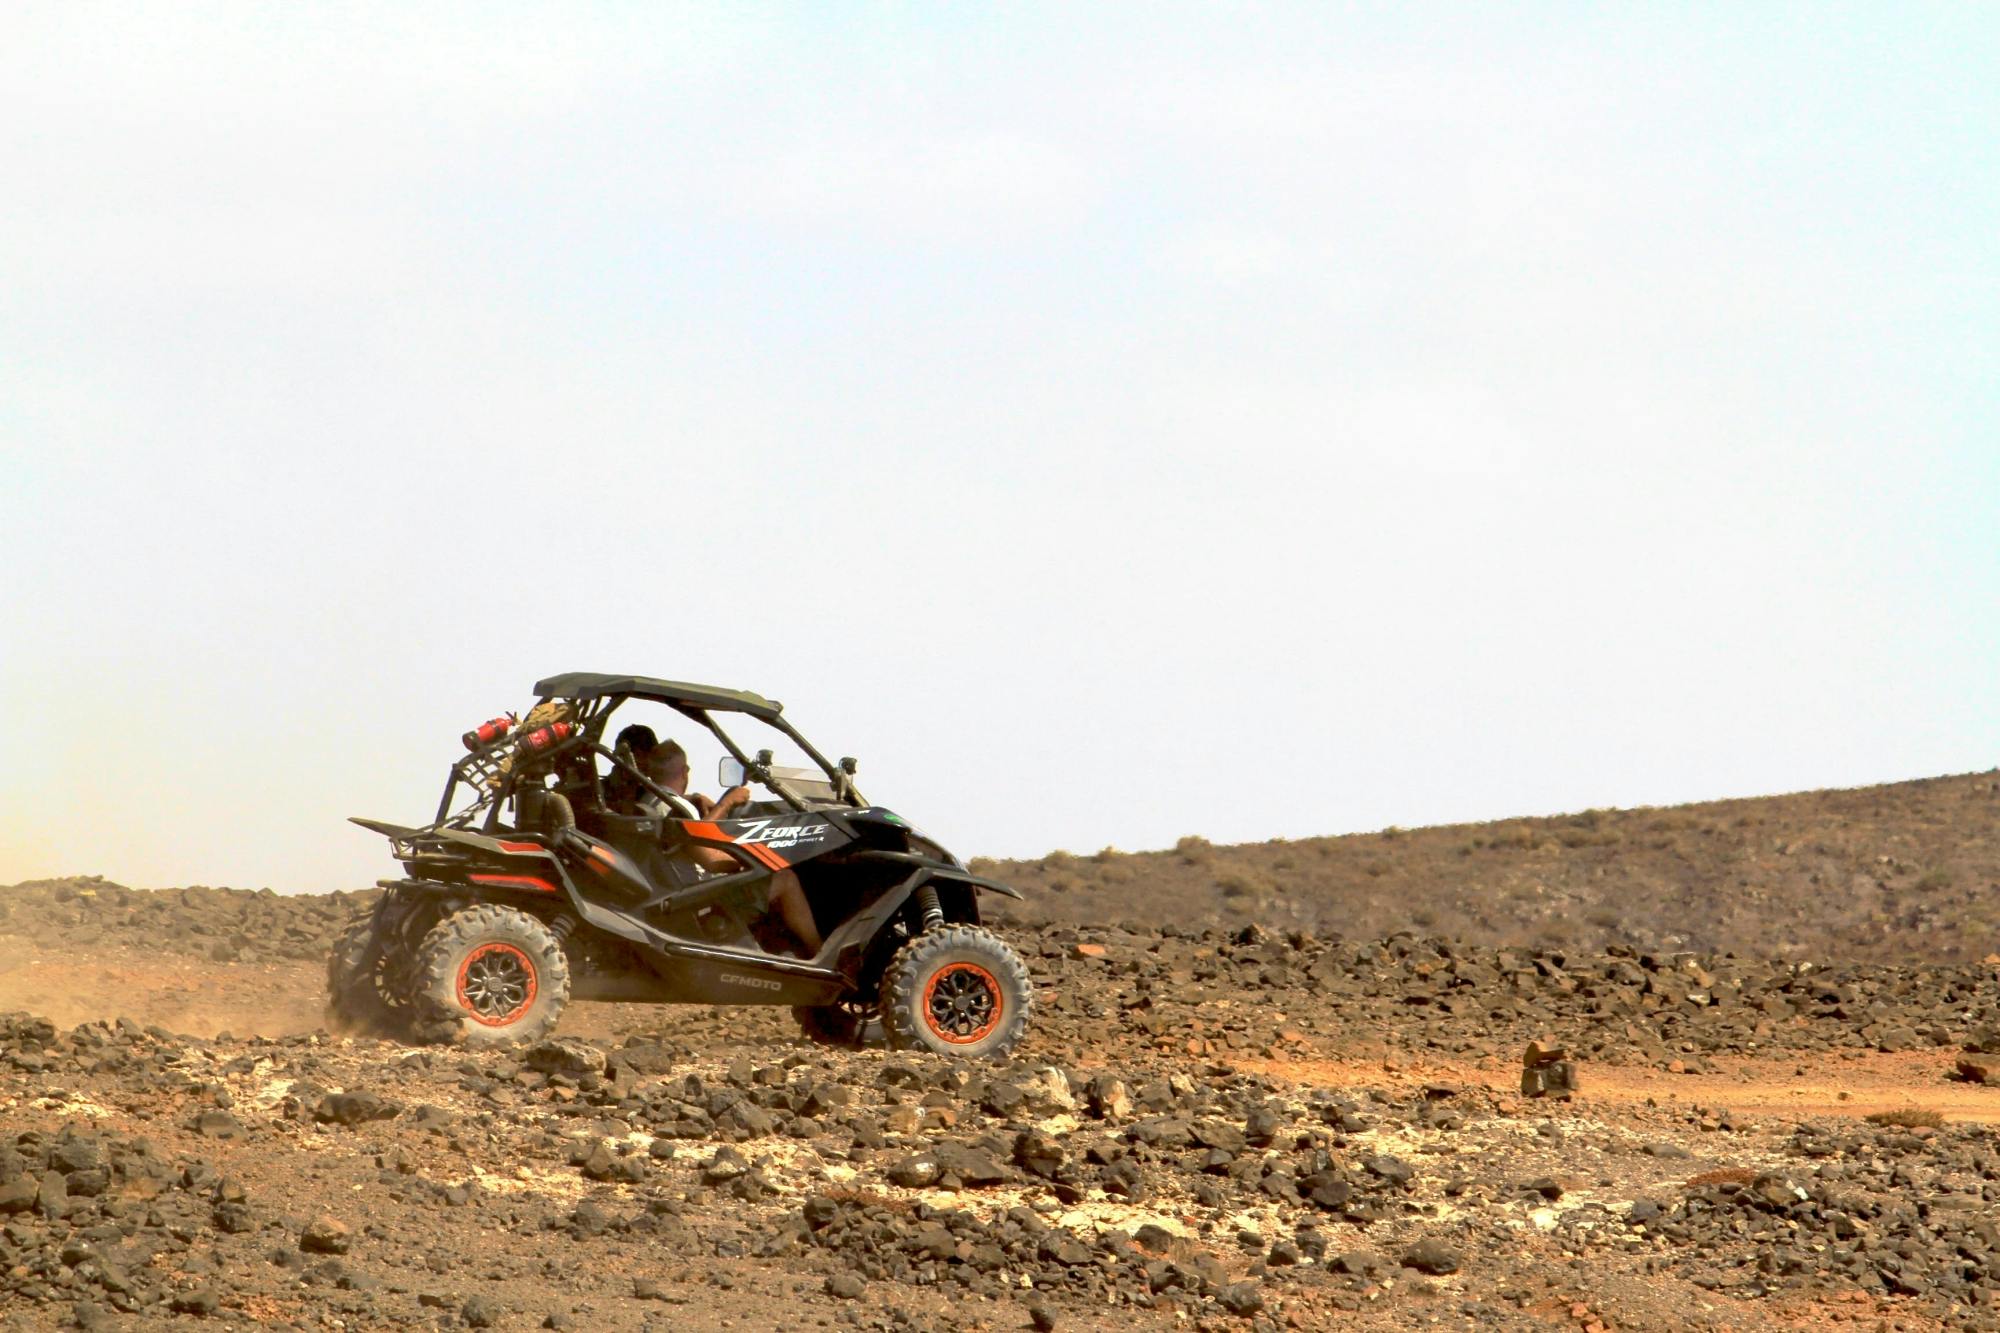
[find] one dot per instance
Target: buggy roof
(596, 685)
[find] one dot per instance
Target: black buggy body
(555, 867)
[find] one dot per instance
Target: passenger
(625, 794)
(667, 766)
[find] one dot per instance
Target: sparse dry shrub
(1909, 1117)
(1239, 885)
(1056, 860)
(1375, 869)
(1937, 877)
(1514, 835)
(1727, 1175)
(1393, 832)
(1105, 853)
(1194, 849)
(1424, 918)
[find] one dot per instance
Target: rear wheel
(491, 976)
(357, 997)
(958, 990)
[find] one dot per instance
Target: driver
(666, 764)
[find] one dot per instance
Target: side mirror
(850, 765)
(729, 773)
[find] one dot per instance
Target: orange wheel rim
(963, 1003)
(496, 984)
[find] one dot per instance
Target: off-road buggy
(546, 882)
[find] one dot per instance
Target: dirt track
(200, 998)
(1238, 1130)
(204, 999)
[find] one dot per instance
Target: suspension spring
(928, 906)
(560, 925)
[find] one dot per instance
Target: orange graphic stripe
(515, 882)
(709, 831)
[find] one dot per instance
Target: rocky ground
(1240, 1128)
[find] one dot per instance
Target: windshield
(712, 768)
(791, 766)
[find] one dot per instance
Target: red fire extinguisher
(541, 738)
(488, 732)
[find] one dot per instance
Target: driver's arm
(733, 799)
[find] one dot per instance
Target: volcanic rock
(355, 1108)
(18, 1193)
(1048, 1091)
(326, 1234)
(724, 1166)
(1242, 1298)
(604, 1162)
(217, 1124)
(1431, 1256)
(1039, 1154)
(1108, 1098)
(565, 1055)
(199, 1301)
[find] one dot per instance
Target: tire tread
(902, 986)
(441, 1019)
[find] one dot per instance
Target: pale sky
(1110, 423)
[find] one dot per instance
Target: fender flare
(941, 870)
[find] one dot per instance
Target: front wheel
(491, 976)
(958, 990)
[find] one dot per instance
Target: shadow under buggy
(568, 872)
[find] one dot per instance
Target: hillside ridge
(1897, 870)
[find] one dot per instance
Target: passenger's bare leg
(790, 899)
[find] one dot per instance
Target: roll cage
(496, 771)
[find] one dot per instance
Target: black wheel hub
(496, 984)
(961, 1003)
